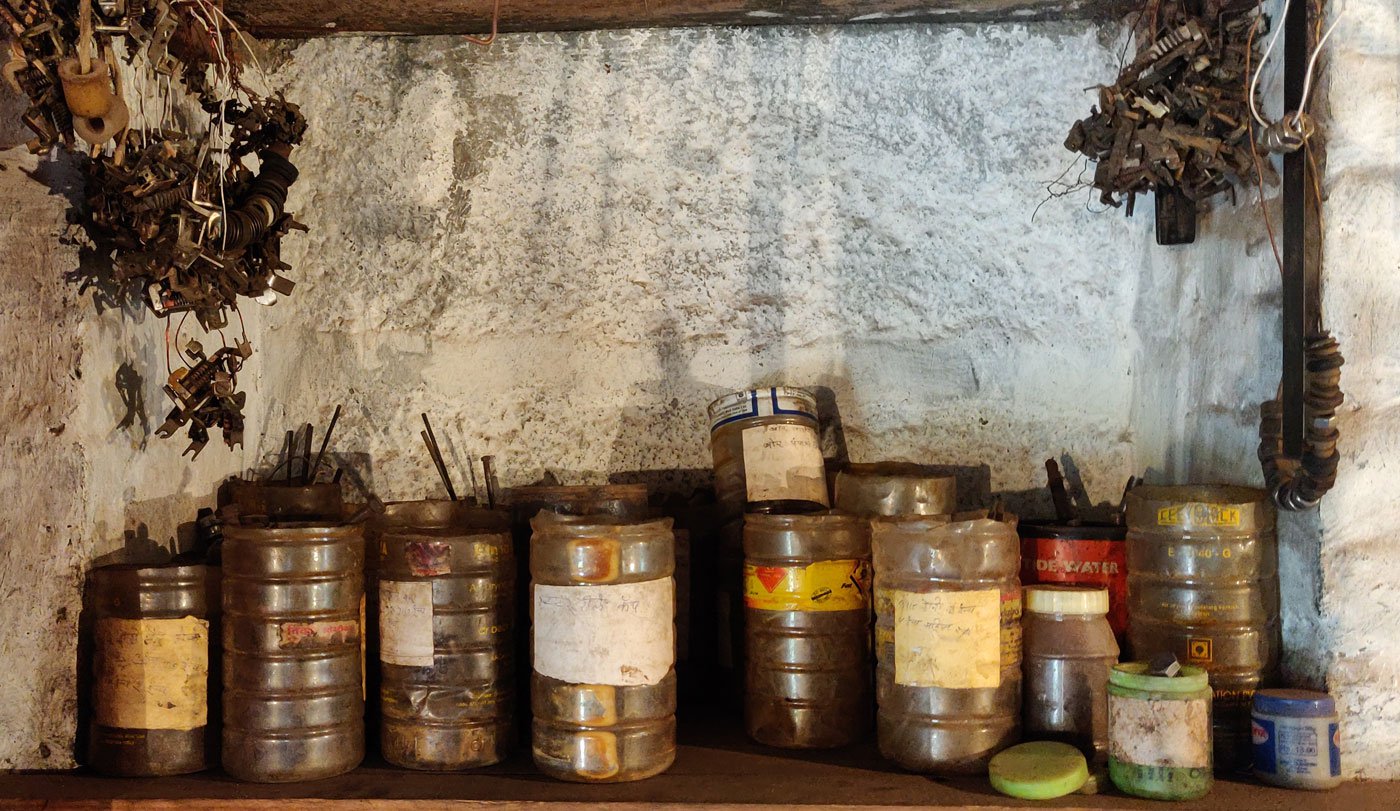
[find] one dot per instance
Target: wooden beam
(307, 18)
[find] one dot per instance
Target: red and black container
(1080, 554)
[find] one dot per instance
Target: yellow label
(1011, 629)
(948, 639)
(827, 585)
(151, 673)
(1198, 515)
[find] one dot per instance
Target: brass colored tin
(151, 670)
(1203, 584)
(446, 657)
(279, 501)
(293, 656)
(895, 488)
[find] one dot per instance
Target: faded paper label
(321, 632)
(948, 639)
(1159, 733)
(622, 634)
(428, 558)
(784, 462)
(826, 585)
(406, 623)
(151, 673)
(1011, 628)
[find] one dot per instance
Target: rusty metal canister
(767, 452)
(1203, 584)
(947, 640)
(278, 501)
(895, 488)
(603, 687)
(446, 608)
(807, 629)
(1084, 554)
(293, 658)
(151, 669)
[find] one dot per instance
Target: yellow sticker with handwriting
(827, 585)
(949, 639)
(151, 673)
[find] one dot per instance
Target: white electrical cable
(1259, 71)
(1312, 63)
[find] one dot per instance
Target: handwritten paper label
(622, 634)
(947, 639)
(784, 462)
(321, 632)
(1159, 733)
(406, 623)
(151, 673)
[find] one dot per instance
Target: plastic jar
(767, 452)
(947, 640)
(1069, 652)
(1159, 732)
(603, 633)
(1296, 739)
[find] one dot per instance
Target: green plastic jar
(1159, 736)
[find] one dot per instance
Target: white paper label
(1159, 733)
(784, 462)
(406, 623)
(621, 635)
(947, 639)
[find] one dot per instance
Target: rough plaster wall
(1362, 302)
(564, 247)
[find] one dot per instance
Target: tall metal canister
(446, 655)
(947, 640)
(150, 670)
(293, 657)
(807, 629)
(1203, 584)
(603, 687)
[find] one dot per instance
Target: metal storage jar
(767, 452)
(947, 640)
(895, 488)
(1083, 554)
(151, 670)
(446, 656)
(807, 629)
(293, 661)
(603, 687)
(1203, 584)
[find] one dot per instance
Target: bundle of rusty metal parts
(177, 212)
(1178, 116)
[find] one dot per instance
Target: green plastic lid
(1134, 676)
(1040, 770)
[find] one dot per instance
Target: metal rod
(287, 455)
(431, 442)
(325, 440)
(1064, 510)
(1298, 228)
(488, 472)
(306, 456)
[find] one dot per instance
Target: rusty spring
(1299, 484)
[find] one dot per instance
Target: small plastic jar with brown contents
(1069, 652)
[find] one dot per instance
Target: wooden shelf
(715, 767)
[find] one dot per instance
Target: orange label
(827, 585)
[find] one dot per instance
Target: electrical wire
(1264, 60)
(1312, 64)
(1254, 151)
(495, 20)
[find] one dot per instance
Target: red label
(310, 634)
(428, 558)
(770, 576)
(1085, 563)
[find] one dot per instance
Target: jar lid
(777, 401)
(1299, 703)
(1039, 770)
(1134, 676)
(1066, 600)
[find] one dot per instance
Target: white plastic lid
(1066, 600)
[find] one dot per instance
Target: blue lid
(1297, 703)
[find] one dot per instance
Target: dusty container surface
(947, 640)
(767, 452)
(1079, 555)
(1203, 584)
(603, 687)
(151, 670)
(807, 629)
(446, 654)
(895, 488)
(1159, 732)
(293, 661)
(280, 501)
(1069, 651)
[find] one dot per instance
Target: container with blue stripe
(767, 452)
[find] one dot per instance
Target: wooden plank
(303, 18)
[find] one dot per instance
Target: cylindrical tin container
(1297, 743)
(1159, 733)
(895, 488)
(603, 635)
(1203, 584)
(1069, 650)
(293, 661)
(150, 670)
(767, 452)
(1079, 555)
(807, 629)
(947, 640)
(281, 501)
(446, 653)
